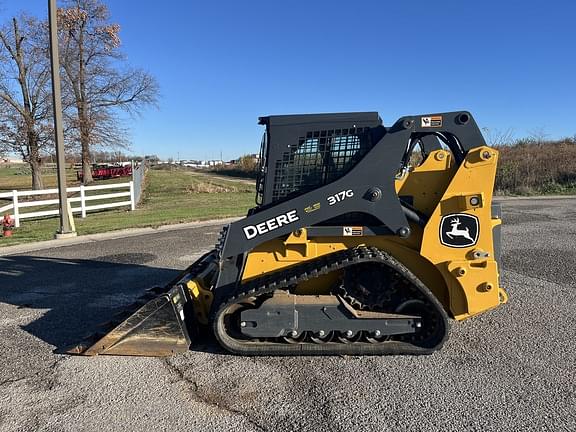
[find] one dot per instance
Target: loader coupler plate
(153, 327)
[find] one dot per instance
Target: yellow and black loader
(365, 239)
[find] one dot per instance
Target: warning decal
(433, 121)
(348, 231)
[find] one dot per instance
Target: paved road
(510, 369)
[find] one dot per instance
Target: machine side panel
(351, 193)
(367, 188)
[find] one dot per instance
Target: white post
(83, 201)
(16, 210)
(132, 200)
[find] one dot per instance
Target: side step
(154, 326)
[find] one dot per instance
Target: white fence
(126, 195)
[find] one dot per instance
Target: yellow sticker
(432, 121)
(312, 208)
(350, 231)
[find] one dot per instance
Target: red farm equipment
(103, 172)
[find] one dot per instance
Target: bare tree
(97, 88)
(25, 107)
(498, 137)
(538, 135)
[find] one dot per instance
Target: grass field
(14, 177)
(171, 196)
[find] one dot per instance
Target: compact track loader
(365, 239)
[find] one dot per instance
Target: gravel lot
(510, 369)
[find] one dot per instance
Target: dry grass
(213, 188)
(537, 167)
(207, 188)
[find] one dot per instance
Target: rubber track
(310, 270)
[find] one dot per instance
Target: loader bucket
(153, 326)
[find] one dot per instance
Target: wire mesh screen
(318, 158)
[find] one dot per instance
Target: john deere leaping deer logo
(459, 230)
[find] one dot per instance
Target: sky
(222, 64)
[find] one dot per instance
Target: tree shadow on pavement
(77, 294)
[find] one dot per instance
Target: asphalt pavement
(511, 369)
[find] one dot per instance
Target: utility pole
(65, 229)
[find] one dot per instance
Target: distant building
(8, 160)
(201, 164)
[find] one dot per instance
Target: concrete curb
(90, 238)
(539, 197)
